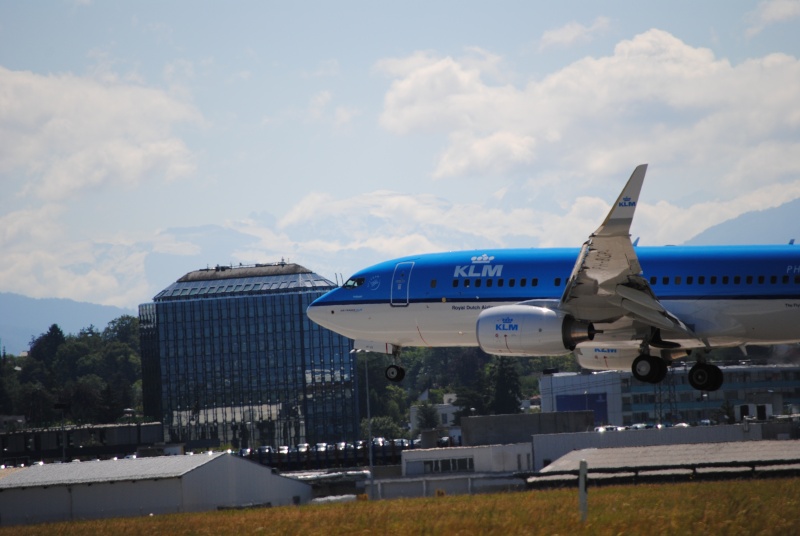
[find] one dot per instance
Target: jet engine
(527, 330)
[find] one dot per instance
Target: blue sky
(142, 140)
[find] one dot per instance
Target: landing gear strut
(705, 377)
(649, 369)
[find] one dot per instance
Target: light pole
(369, 422)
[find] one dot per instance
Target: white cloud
(655, 99)
(665, 223)
(66, 134)
(573, 33)
(496, 153)
(771, 12)
(325, 69)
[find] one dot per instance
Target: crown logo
(483, 259)
(507, 320)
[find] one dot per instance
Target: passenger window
(534, 281)
(665, 280)
(455, 283)
(785, 279)
(466, 283)
(689, 280)
(557, 282)
(653, 280)
(724, 279)
(512, 282)
(749, 279)
(797, 279)
(677, 280)
(433, 283)
(737, 279)
(523, 282)
(701, 280)
(713, 280)
(773, 279)
(477, 283)
(489, 282)
(500, 282)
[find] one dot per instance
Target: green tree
(124, 330)
(505, 386)
(427, 416)
(382, 427)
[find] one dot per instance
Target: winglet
(618, 221)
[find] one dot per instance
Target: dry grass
(734, 507)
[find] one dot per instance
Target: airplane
(613, 304)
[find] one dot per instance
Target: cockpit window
(354, 282)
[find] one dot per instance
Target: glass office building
(230, 357)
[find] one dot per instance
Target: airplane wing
(606, 282)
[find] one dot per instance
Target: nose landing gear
(395, 373)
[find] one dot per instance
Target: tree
(125, 330)
(427, 416)
(45, 346)
(505, 387)
(381, 427)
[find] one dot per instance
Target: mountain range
(23, 318)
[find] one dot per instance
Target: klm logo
(626, 202)
(481, 267)
(507, 324)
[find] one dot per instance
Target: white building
(446, 415)
(134, 487)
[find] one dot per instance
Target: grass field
(710, 508)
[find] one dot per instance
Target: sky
(143, 140)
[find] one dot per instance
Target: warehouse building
(230, 357)
(135, 487)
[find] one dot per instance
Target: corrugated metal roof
(55, 474)
(662, 455)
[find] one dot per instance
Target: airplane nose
(318, 312)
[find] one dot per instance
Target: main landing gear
(702, 376)
(649, 369)
(705, 377)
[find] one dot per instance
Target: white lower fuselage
(722, 323)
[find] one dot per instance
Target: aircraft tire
(705, 377)
(395, 373)
(716, 377)
(649, 369)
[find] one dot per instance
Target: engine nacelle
(526, 330)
